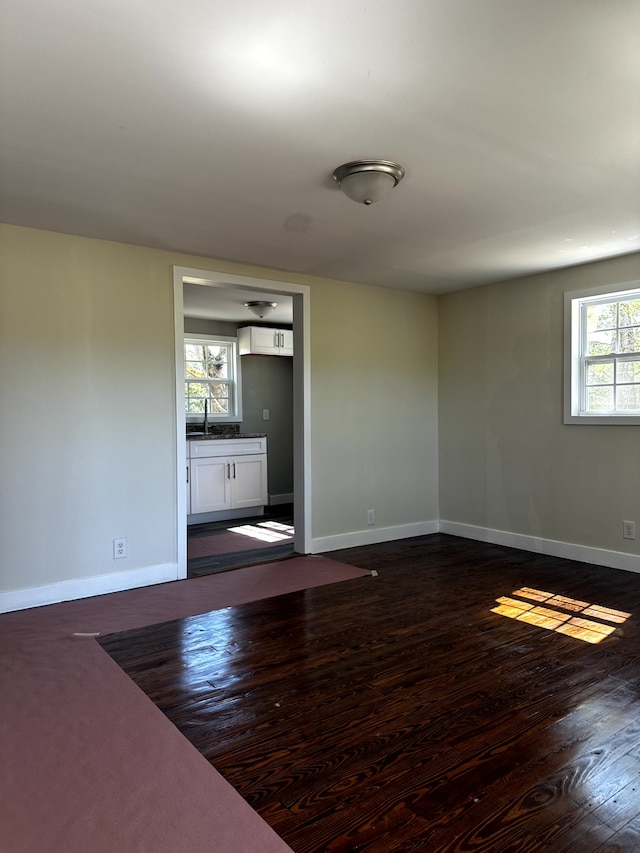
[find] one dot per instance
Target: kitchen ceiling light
(261, 309)
(366, 181)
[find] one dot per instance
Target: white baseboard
(538, 545)
(36, 596)
(373, 535)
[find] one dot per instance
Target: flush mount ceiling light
(366, 181)
(261, 309)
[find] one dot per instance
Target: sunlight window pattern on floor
(548, 617)
(265, 531)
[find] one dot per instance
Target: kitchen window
(212, 376)
(602, 355)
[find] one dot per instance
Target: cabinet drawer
(226, 447)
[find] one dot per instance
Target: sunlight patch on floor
(265, 531)
(277, 525)
(553, 620)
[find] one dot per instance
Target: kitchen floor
(219, 546)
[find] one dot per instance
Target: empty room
(320, 370)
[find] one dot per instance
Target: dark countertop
(194, 436)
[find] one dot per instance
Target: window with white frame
(212, 376)
(602, 349)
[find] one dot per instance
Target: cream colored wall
(87, 440)
(507, 461)
(87, 434)
(374, 407)
(87, 426)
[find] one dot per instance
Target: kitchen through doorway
(275, 398)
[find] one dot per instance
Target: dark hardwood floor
(401, 712)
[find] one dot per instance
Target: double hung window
(603, 357)
(212, 376)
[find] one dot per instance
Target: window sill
(603, 420)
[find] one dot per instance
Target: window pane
(218, 353)
(194, 369)
(194, 407)
(630, 312)
(601, 343)
(217, 370)
(193, 352)
(197, 389)
(600, 374)
(628, 371)
(601, 316)
(628, 397)
(217, 362)
(600, 398)
(630, 339)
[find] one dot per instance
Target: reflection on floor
(406, 712)
(222, 545)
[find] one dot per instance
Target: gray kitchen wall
(267, 383)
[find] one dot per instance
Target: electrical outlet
(371, 516)
(265, 414)
(119, 549)
(628, 530)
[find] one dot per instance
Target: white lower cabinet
(225, 482)
(228, 482)
(210, 485)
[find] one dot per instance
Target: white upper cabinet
(260, 340)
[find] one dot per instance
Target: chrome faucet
(206, 411)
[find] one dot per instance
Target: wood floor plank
(402, 712)
(627, 840)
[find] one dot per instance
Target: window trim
(235, 416)
(573, 385)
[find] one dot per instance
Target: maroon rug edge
(89, 763)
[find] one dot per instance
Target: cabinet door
(249, 480)
(264, 341)
(286, 342)
(261, 340)
(210, 484)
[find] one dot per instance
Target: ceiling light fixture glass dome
(261, 309)
(368, 181)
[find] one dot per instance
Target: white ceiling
(213, 128)
(228, 304)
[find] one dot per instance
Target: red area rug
(89, 764)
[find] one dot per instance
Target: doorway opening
(284, 526)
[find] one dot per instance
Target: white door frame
(301, 397)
